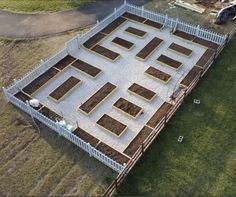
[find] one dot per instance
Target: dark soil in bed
(193, 73)
(180, 49)
(127, 107)
(86, 68)
(40, 81)
(149, 48)
(158, 74)
(123, 43)
(113, 25)
(206, 43)
(136, 32)
(205, 58)
(111, 124)
(64, 88)
(105, 52)
(64, 62)
(169, 61)
(50, 114)
(134, 17)
(159, 114)
(153, 24)
(97, 98)
(142, 91)
(184, 35)
(94, 40)
(137, 141)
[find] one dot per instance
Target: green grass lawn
(205, 163)
(40, 5)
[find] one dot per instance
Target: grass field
(40, 164)
(40, 5)
(205, 163)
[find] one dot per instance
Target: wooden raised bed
(159, 115)
(134, 17)
(64, 62)
(22, 96)
(96, 99)
(64, 89)
(114, 25)
(206, 43)
(158, 75)
(107, 53)
(180, 49)
(136, 32)
(112, 125)
(142, 92)
(112, 153)
(137, 141)
(94, 40)
(149, 48)
(50, 114)
(193, 73)
(86, 68)
(183, 35)
(40, 81)
(93, 141)
(123, 43)
(127, 107)
(205, 58)
(167, 61)
(153, 24)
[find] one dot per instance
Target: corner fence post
(5, 94)
(16, 84)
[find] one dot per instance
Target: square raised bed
(107, 53)
(123, 43)
(167, 61)
(158, 75)
(136, 32)
(180, 49)
(141, 92)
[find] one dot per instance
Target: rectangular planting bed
(104, 52)
(64, 89)
(123, 43)
(206, 43)
(113, 26)
(112, 125)
(94, 40)
(180, 49)
(50, 114)
(167, 61)
(66, 61)
(22, 96)
(141, 92)
(184, 35)
(193, 73)
(159, 115)
(86, 68)
(96, 99)
(149, 48)
(136, 32)
(158, 75)
(127, 107)
(153, 24)
(205, 58)
(134, 17)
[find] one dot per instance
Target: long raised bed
(64, 89)
(193, 73)
(40, 81)
(136, 32)
(167, 61)
(127, 107)
(104, 52)
(123, 43)
(206, 43)
(159, 115)
(153, 24)
(112, 125)
(93, 102)
(134, 17)
(113, 26)
(22, 96)
(66, 61)
(141, 92)
(205, 58)
(158, 75)
(91, 42)
(149, 49)
(50, 114)
(180, 49)
(184, 35)
(86, 68)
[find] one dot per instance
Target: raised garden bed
(159, 115)
(134, 17)
(206, 43)
(180, 49)
(94, 40)
(112, 153)
(137, 141)
(22, 96)
(104, 52)
(40, 81)
(142, 92)
(86, 136)
(127, 107)
(96, 99)
(167, 61)
(64, 89)
(184, 35)
(158, 75)
(123, 43)
(114, 25)
(205, 58)
(64, 62)
(112, 125)
(153, 24)
(149, 48)
(50, 114)
(193, 73)
(86, 68)
(136, 32)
